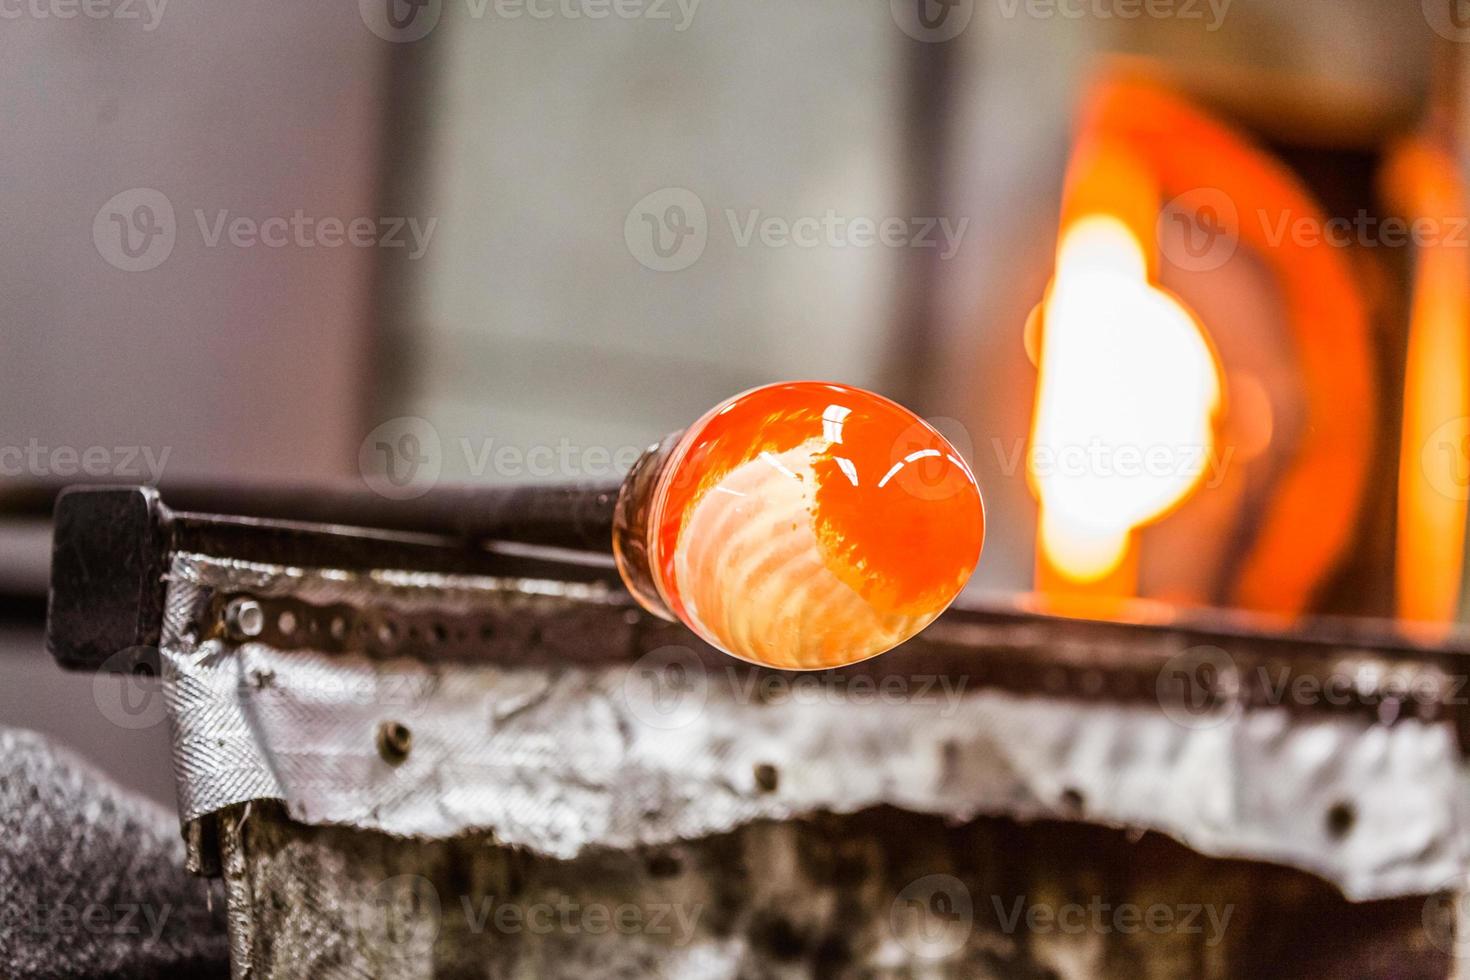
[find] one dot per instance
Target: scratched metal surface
(552, 718)
(881, 893)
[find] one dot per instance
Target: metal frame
(114, 545)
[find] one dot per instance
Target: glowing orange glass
(801, 525)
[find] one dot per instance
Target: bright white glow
(1125, 404)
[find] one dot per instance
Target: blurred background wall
(246, 360)
(572, 232)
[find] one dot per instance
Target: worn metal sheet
(560, 752)
(883, 893)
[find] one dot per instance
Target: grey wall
(233, 359)
(238, 359)
(532, 318)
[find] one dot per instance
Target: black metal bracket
(113, 546)
(106, 575)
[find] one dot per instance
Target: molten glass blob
(801, 526)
